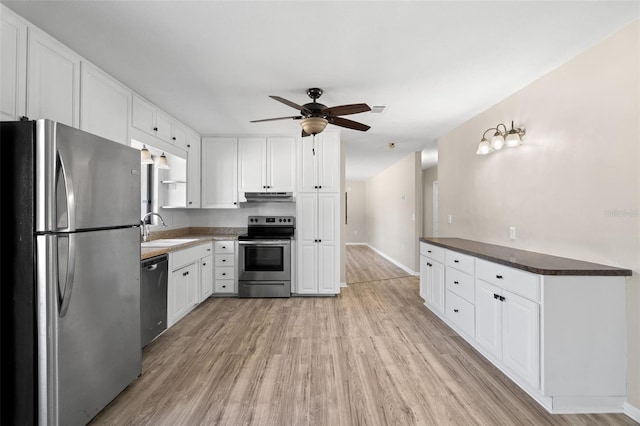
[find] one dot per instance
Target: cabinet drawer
(461, 284)
(224, 246)
(224, 260)
(460, 261)
(514, 280)
(461, 313)
(225, 286)
(434, 252)
(225, 273)
(205, 249)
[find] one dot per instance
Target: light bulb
(145, 155)
(497, 141)
(484, 147)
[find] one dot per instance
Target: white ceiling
(436, 64)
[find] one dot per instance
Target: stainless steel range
(264, 257)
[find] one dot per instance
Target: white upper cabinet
(104, 105)
(193, 170)
(266, 164)
(319, 163)
(146, 117)
(180, 137)
(13, 67)
(219, 171)
(53, 82)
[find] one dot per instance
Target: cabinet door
(329, 163)
(425, 274)
(328, 264)
(521, 337)
(13, 67)
(281, 160)
(307, 231)
(206, 277)
(252, 163)
(219, 173)
(193, 171)
(328, 236)
(308, 164)
(183, 291)
(143, 116)
(164, 126)
(437, 284)
(53, 84)
(180, 135)
(489, 318)
(104, 106)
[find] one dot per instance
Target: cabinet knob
(499, 277)
(428, 251)
(224, 260)
(188, 146)
(502, 298)
(224, 273)
(224, 286)
(429, 265)
(173, 138)
(155, 129)
(455, 310)
(190, 202)
(184, 274)
(208, 249)
(204, 264)
(456, 261)
(456, 282)
(495, 296)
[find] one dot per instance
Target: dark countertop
(536, 263)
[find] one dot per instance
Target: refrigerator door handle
(64, 293)
(69, 197)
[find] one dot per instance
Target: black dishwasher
(153, 298)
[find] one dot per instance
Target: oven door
(264, 260)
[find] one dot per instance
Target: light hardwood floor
(374, 355)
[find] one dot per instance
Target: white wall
(429, 176)
(394, 211)
(355, 228)
(573, 188)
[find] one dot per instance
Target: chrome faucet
(145, 227)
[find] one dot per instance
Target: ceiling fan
(314, 116)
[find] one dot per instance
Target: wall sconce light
(162, 162)
(501, 138)
(145, 155)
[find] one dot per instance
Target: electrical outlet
(512, 232)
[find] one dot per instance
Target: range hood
(268, 197)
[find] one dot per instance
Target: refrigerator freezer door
(84, 181)
(93, 311)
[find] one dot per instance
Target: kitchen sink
(167, 242)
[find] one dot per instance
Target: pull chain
(313, 148)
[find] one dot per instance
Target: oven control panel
(272, 220)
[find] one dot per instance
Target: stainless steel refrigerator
(70, 304)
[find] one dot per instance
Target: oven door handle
(264, 243)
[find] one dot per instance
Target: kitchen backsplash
(181, 218)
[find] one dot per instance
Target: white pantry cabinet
(13, 67)
(53, 80)
(104, 105)
(266, 164)
(319, 163)
(219, 171)
(318, 243)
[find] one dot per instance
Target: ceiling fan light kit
(500, 139)
(316, 116)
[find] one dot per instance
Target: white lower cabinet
(508, 327)
(561, 338)
(432, 285)
(225, 268)
(190, 280)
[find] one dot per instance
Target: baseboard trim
(392, 260)
(631, 411)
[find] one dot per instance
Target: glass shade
(145, 155)
(513, 139)
(313, 125)
(484, 147)
(162, 162)
(497, 141)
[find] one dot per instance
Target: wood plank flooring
(374, 355)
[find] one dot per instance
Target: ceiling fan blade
(293, 117)
(347, 109)
(349, 124)
(291, 104)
